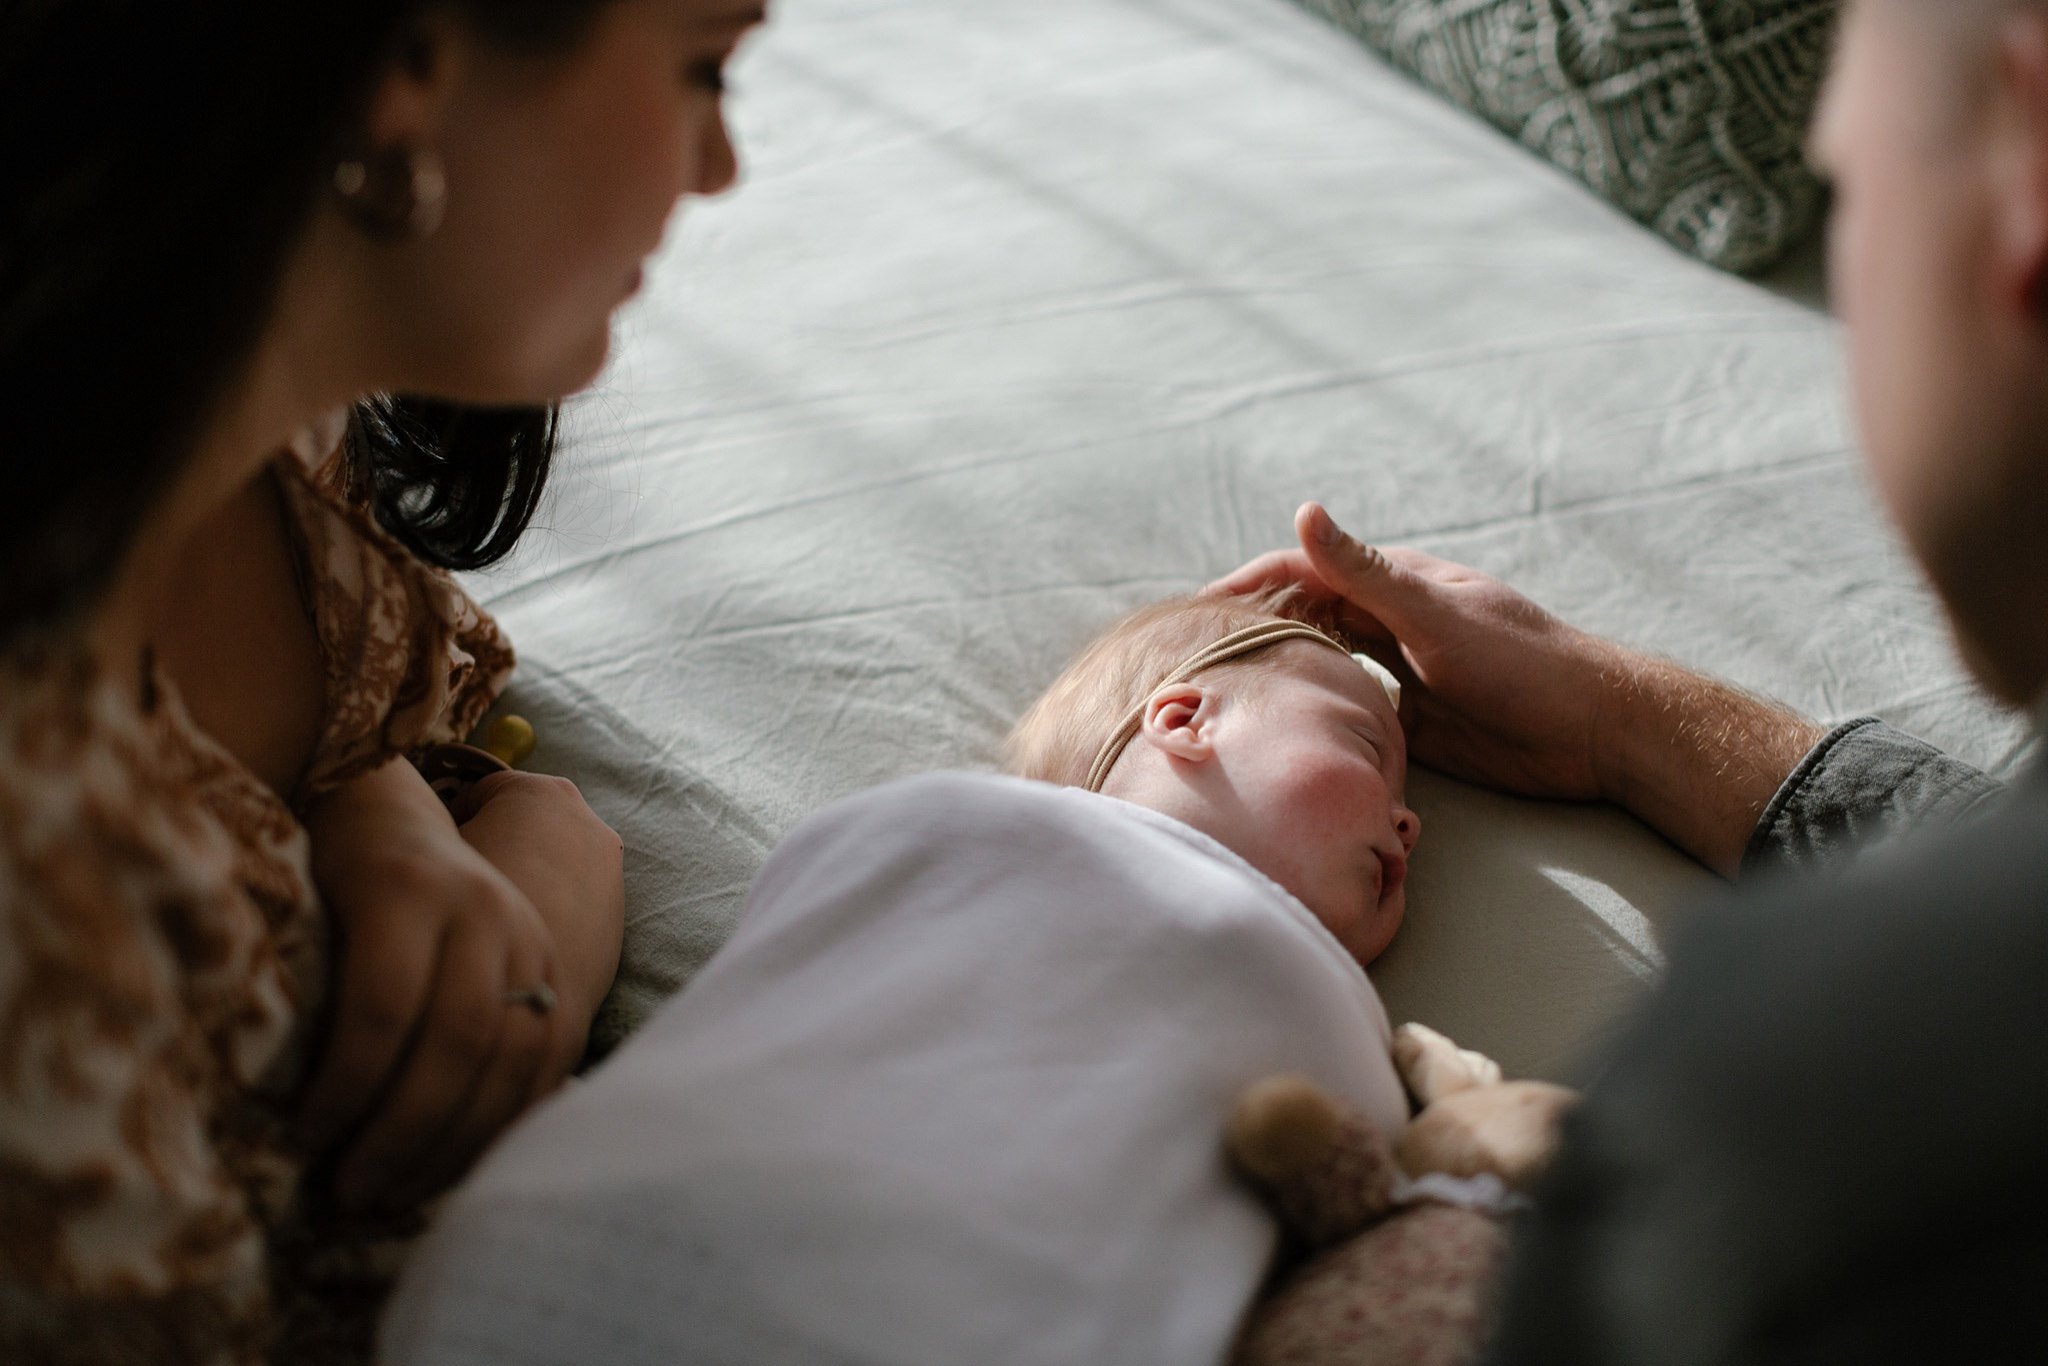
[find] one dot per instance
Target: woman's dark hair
(158, 161)
(456, 485)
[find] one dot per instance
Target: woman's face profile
(563, 169)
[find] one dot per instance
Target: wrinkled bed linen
(953, 1093)
(1024, 315)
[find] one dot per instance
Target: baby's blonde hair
(1058, 737)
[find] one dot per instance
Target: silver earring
(398, 195)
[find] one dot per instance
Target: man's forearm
(1694, 758)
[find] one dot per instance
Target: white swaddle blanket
(954, 1092)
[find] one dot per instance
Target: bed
(1026, 314)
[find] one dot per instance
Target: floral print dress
(163, 961)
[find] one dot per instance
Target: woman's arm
(431, 1052)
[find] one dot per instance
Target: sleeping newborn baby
(954, 1089)
(1259, 730)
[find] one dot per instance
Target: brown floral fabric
(163, 962)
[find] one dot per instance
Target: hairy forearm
(1695, 758)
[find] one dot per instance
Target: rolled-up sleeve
(1862, 783)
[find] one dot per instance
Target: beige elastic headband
(1232, 646)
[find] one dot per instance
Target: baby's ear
(1179, 719)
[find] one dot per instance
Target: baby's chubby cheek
(1379, 931)
(1331, 792)
(1357, 905)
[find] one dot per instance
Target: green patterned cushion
(1688, 114)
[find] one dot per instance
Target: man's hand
(430, 1056)
(1502, 693)
(1510, 696)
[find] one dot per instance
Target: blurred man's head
(1935, 132)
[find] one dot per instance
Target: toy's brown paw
(1509, 1130)
(1433, 1067)
(1325, 1172)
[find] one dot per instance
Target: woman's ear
(1180, 720)
(407, 103)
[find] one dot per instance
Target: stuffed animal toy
(1389, 1248)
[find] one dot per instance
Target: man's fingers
(457, 1043)
(1292, 569)
(1364, 577)
(386, 972)
(1275, 569)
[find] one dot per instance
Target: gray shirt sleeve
(1863, 782)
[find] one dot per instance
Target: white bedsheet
(1028, 313)
(954, 1093)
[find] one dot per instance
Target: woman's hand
(1502, 693)
(541, 834)
(431, 1052)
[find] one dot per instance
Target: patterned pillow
(1688, 114)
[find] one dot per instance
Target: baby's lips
(1393, 872)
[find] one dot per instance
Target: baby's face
(1316, 771)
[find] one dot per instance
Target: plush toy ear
(1325, 1172)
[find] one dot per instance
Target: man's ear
(1180, 720)
(2022, 183)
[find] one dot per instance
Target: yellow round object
(510, 739)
